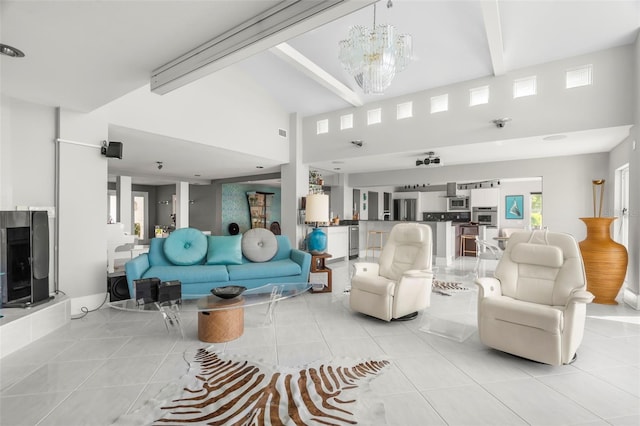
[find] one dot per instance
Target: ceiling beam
(286, 20)
(491, 17)
(309, 68)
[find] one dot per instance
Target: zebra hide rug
(222, 389)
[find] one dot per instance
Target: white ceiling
(83, 54)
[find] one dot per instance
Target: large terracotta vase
(605, 261)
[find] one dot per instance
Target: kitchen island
(443, 233)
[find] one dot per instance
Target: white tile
(297, 355)
(263, 355)
(489, 365)
(587, 391)
(431, 371)
(262, 336)
(299, 335)
(537, 404)
(470, 405)
(410, 409)
(608, 363)
(392, 381)
(94, 406)
(12, 373)
(91, 349)
(625, 421)
(55, 377)
(626, 378)
(403, 345)
(146, 345)
(343, 329)
(172, 367)
(124, 371)
(355, 348)
(28, 409)
(376, 327)
(38, 352)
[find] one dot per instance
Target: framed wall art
(514, 208)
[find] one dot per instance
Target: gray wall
(201, 212)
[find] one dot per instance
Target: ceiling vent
(282, 132)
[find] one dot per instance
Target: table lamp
(317, 210)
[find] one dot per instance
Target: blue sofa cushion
(273, 269)
(259, 245)
(186, 246)
(156, 253)
(284, 248)
(189, 274)
(224, 250)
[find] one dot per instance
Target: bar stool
(464, 240)
(374, 241)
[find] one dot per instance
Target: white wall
(566, 183)
(82, 203)
(524, 188)
(27, 161)
(28, 154)
(632, 293)
(606, 103)
(237, 115)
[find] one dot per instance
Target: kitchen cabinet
(433, 201)
(485, 197)
(337, 241)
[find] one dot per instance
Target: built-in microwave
(457, 204)
(485, 216)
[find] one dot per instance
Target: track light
(501, 122)
(431, 159)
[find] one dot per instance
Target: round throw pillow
(186, 246)
(259, 245)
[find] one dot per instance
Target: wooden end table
(318, 267)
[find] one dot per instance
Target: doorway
(621, 207)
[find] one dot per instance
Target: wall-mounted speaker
(117, 287)
(112, 150)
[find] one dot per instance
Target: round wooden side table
(222, 325)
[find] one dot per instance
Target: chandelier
(373, 57)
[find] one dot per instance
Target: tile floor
(99, 367)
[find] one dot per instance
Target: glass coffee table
(219, 320)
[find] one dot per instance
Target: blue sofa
(224, 264)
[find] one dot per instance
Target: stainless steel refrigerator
(405, 209)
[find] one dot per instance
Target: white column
(123, 197)
(81, 208)
(295, 184)
(182, 205)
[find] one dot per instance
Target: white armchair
(535, 307)
(399, 285)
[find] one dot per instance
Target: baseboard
(631, 299)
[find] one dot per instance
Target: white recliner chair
(535, 307)
(399, 285)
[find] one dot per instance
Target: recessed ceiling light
(197, 175)
(337, 162)
(554, 137)
(11, 51)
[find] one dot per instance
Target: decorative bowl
(228, 292)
